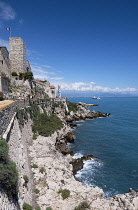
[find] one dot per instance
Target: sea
(114, 143)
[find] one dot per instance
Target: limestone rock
(70, 137)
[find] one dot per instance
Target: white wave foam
(108, 194)
(78, 121)
(80, 124)
(89, 166)
(77, 155)
(73, 129)
(92, 162)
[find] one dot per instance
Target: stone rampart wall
(7, 114)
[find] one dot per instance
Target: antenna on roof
(59, 91)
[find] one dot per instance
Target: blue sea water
(114, 141)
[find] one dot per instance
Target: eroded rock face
(127, 201)
(82, 113)
(70, 137)
(77, 165)
(57, 174)
(54, 172)
(79, 162)
(5, 204)
(64, 149)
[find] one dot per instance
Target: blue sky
(87, 46)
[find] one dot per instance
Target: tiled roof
(39, 80)
(52, 87)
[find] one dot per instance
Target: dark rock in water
(97, 114)
(72, 125)
(70, 137)
(87, 157)
(132, 192)
(82, 117)
(64, 149)
(78, 163)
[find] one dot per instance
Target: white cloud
(50, 67)
(93, 83)
(40, 72)
(4, 43)
(39, 69)
(32, 54)
(57, 78)
(6, 12)
(80, 86)
(42, 77)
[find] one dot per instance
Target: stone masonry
(17, 55)
(4, 61)
(7, 114)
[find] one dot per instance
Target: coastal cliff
(46, 177)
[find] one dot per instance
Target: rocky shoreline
(57, 173)
(59, 169)
(54, 159)
(92, 196)
(83, 113)
(51, 169)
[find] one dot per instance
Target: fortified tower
(18, 55)
(4, 61)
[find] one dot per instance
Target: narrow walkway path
(4, 104)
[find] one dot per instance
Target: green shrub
(33, 110)
(22, 116)
(37, 208)
(48, 208)
(26, 180)
(83, 206)
(36, 191)
(34, 166)
(42, 170)
(26, 206)
(64, 193)
(35, 136)
(14, 73)
(46, 125)
(3, 151)
(26, 75)
(72, 106)
(8, 171)
(20, 75)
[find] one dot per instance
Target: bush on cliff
(83, 206)
(14, 73)
(64, 193)
(8, 171)
(49, 208)
(46, 125)
(27, 206)
(3, 151)
(72, 106)
(22, 116)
